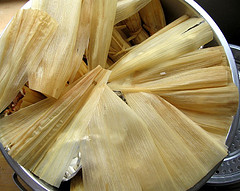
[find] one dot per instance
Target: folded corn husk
(68, 45)
(119, 152)
(187, 150)
(216, 76)
(56, 161)
(201, 58)
(30, 97)
(22, 46)
(101, 32)
(215, 100)
(77, 183)
(127, 8)
(153, 16)
(185, 37)
(136, 32)
(118, 46)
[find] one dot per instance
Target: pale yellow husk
(187, 150)
(135, 31)
(22, 47)
(119, 152)
(183, 38)
(77, 183)
(127, 8)
(153, 16)
(103, 16)
(58, 63)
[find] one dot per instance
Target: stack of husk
(143, 102)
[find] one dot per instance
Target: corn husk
(211, 77)
(187, 150)
(101, 32)
(119, 152)
(59, 62)
(216, 100)
(83, 69)
(66, 146)
(136, 32)
(201, 58)
(118, 46)
(216, 125)
(30, 97)
(153, 16)
(77, 183)
(127, 8)
(22, 46)
(183, 38)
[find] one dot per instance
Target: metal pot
(173, 9)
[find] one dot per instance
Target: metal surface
(229, 171)
(173, 9)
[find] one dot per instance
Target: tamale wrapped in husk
(127, 8)
(153, 16)
(120, 154)
(201, 58)
(136, 32)
(22, 47)
(183, 38)
(118, 46)
(59, 62)
(178, 139)
(103, 16)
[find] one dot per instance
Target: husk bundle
(21, 49)
(153, 16)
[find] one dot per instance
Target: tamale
(119, 153)
(103, 16)
(56, 161)
(201, 58)
(183, 38)
(58, 63)
(188, 151)
(118, 46)
(22, 47)
(136, 32)
(127, 8)
(153, 16)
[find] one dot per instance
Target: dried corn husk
(217, 125)
(136, 32)
(188, 151)
(77, 183)
(153, 16)
(216, 100)
(127, 8)
(120, 154)
(185, 37)
(56, 161)
(101, 32)
(22, 46)
(30, 97)
(59, 62)
(83, 69)
(118, 46)
(201, 58)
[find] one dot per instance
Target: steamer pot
(173, 9)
